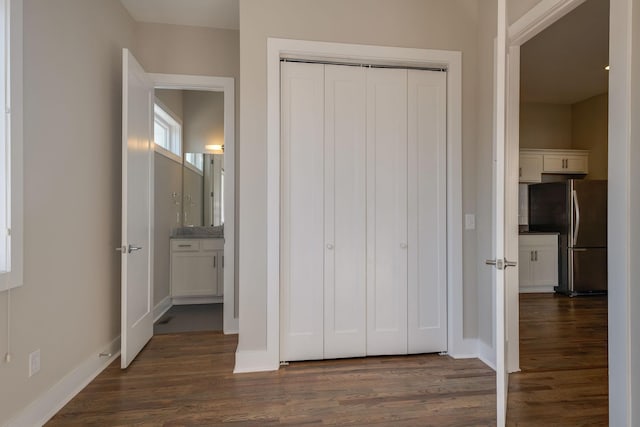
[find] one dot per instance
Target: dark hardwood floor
(186, 379)
(563, 361)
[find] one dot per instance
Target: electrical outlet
(34, 363)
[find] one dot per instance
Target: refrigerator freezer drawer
(587, 270)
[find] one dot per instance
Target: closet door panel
(427, 299)
(302, 219)
(386, 211)
(345, 212)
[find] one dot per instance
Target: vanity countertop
(198, 232)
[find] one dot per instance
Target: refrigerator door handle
(576, 207)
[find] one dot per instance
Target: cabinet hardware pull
(222, 261)
(520, 172)
(214, 261)
(184, 246)
(531, 256)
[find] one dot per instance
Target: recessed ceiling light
(606, 68)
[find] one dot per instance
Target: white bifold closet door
(387, 244)
(345, 230)
(363, 211)
(302, 212)
(427, 211)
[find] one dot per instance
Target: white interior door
(500, 261)
(345, 212)
(302, 247)
(137, 209)
(386, 211)
(427, 212)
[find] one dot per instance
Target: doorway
(194, 203)
(566, 107)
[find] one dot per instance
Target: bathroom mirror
(203, 189)
(201, 117)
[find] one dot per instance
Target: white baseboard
(161, 308)
(254, 361)
(196, 300)
(466, 349)
(231, 329)
(537, 289)
(48, 404)
(486, 354)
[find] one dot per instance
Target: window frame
(168, 120)
(11, 144)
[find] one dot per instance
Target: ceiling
(562, 65)
(201, 13)
(565, 63)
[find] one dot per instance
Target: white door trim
(536, 20)
(225, 85)
(539, 18)
(452, 60)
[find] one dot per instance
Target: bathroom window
(196, 160)
(11, 248)
(167, 133)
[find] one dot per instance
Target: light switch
(469, 222)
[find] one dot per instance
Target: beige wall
(517, 8)
(69, 306)
(172, 99)
(407, 23)
(590, 126)
(167, 210)
(545, 125)
(203, 120)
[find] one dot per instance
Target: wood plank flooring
(563, 358)
(186, 379)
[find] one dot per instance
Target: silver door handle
(329, 246)
(501, 264)
(403, 245)
(122, 249)
(134, 248)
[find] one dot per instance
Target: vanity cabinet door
(194, 274)
(197, 267)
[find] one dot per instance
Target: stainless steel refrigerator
(577, 210)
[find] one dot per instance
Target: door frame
(458, 346)
(536, 20)
(225, 85)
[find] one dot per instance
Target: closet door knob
(403, 245)
(329, 246)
